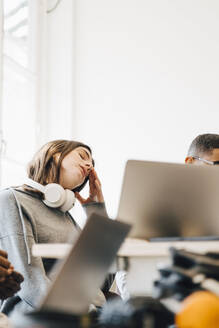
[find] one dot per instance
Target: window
(20, 92)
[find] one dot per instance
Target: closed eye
(82, 156)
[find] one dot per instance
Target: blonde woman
(27, 217)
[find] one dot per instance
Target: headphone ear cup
(69, 201)
(54, 195)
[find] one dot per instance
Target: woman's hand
(95, 193)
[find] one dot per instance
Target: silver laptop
(85, 267)
(166, 200)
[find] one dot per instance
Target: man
(10, 280)
(204, 150)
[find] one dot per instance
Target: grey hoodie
(25, 220)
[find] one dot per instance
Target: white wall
(147, 76)
(1, 57)
(143, 76)
(60, 70)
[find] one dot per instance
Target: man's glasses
(206, 161)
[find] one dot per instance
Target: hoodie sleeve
(17, 238)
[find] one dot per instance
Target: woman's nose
(89, 166)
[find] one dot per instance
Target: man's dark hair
(204, 143)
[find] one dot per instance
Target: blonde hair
(44, 168)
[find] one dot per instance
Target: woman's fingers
(94, 181)
(91, 178)
(98, 184)
(95, 187)
(95, 192)
(99, 192)
(80, 198)
(95, 178)
(93, 174)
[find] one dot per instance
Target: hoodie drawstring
(23, 227)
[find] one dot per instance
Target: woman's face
(75, 167)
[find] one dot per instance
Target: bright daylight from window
(19, 80)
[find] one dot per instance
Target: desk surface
(132, 248)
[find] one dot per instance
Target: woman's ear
(189, 160)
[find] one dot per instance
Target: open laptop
(166, 201)
(84, 269)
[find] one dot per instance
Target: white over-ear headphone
(55, 195)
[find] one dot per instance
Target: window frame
(35, 73)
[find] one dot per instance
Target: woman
(26, 218)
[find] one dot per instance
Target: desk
(143, 258)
